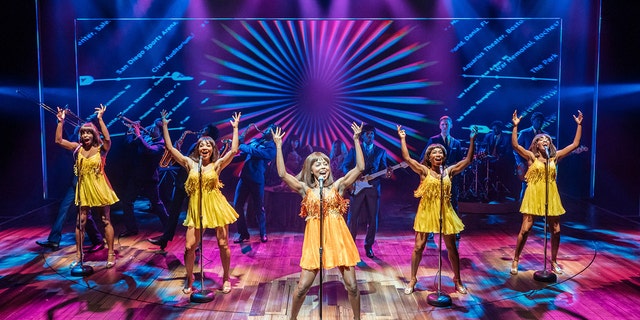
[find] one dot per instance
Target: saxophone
(167, 159)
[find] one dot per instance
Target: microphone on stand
(200, 163)
(546, 150)
(439, 298)
(321, 247)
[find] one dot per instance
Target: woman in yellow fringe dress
(533, 201)
(93, 190)
(217, 213)
(428, 215)
(339, 250)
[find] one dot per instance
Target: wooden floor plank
(598, 254)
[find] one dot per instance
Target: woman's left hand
(474, 132)
(236, 119)
(100, 110)
(277, 137)
(578, 118)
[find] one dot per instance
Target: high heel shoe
(188, 290)
(514, 267)
(226, 287)
(111, 260)
(460, 287)
(410, 288)
(556, 268)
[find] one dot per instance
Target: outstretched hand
(515, 119)
(474, 132)
(164, 115)
(578, 119)
(236, 119)
(62, 113)
(277, 137)
(357, 130)
(401, 133)
(100, 111)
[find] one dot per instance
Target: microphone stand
(201, 296)
(440, 299)
(80, 270)
(321, 182)
(545, 275)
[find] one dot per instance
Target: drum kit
(480, 180)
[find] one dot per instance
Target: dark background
(612, 71)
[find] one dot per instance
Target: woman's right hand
(61, 114)
(277, 137)
(515, 119)
(401, 133)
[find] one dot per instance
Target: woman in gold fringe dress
(93, 190)
(433, 177)
(205, 164)
(541, 150)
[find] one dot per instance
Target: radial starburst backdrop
(314, 77)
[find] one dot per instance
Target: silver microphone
(546, 150)
(441, 171)
(321, 180)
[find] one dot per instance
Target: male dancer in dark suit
(146, 151)
(258, 153)
(366, 201)
(454, 151)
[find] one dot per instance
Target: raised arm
(59, 139)
(291, 181)
(228, 156)
(175, 153)
(576, 140)
(352, 175)
(416, 166)
(528, 155)
(462, 164)
(106, 139)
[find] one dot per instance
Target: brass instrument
(70, 117)
(131, 124)
(167, 159)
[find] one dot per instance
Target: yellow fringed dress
(93, 188)
(338, 246)
(534, 196)
(216, 210)
(428, 215)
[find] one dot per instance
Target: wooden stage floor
(598, 252)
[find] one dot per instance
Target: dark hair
(445, 118)
(534, 148)
(368, 127)
(212, 131)
(537, 115)
(90, 127)
(430, 148)
(195, 153)
(498, 124)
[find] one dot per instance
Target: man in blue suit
(257, 155)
